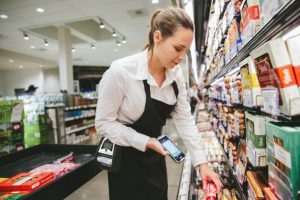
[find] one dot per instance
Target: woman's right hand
(156, 146)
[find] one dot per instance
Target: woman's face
(172, 50)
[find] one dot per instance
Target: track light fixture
(124, 40)
(93, 46)
(103, 24)
(114, 34)
(26, 37)
(46, 43)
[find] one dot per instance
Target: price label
(271, 101)
(247, 97)
(235, 95)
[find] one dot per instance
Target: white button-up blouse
(121, 100)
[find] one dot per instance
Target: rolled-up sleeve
(186, 126)
(112, 89)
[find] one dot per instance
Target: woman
(136, 96)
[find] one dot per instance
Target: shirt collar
(142, 72)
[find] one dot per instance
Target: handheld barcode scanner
(109, 155)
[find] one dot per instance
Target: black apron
(143, 175)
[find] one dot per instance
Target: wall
(22, 79)
(51, 81)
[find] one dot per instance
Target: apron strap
(147, 89)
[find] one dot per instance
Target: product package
(274, 70)
(250, 13)
(250, 85)
(255, 130)
(256, 156)
(26, 182)
(283, 144)
(293, 46)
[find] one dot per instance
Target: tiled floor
(97, 187)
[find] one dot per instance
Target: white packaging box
(250, 85)
(293, 45)
(255, 130)
(257, 157)
(274, 69)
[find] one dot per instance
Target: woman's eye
(177, 49)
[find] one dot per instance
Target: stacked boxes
(274, 70)
(256, 139)
(250, 85)
(283, 144)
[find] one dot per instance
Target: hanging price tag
(270, 101)
(247, 98)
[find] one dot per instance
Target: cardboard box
(293, 46)
(283, 142)
(255, 130)
(250, 85)
(257, 157)
(274, 69)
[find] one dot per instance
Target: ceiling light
(116, 50)
(32, 47)
(93, 47)
(46, 43)
(114, 34)
(124, 40)
(26, 37)
(3, 16)
(119, 43)
(40, 10)
(73, 49)
(11, 60)
(155, 1)
(21, 66)
(101, 25)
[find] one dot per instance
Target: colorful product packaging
(26, 182)
(274, 70)
(255, 130)
(283, 144)
(250, 85)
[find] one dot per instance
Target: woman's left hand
(208, 174)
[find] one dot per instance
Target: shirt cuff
(198, 157)
(139, 141)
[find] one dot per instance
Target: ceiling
(130, 18)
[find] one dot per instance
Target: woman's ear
(157, 37)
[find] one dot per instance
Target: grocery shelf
(80, 107)
(288, 16)
(78, 117)
(235, 181)
(79, 129)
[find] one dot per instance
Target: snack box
(274, 69)
(26, 182)
(293, 46)
(283, 143)
(250, 85)
(255, 130)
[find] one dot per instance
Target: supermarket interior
(73, 106)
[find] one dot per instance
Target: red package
(58, 169)
(26, 182)
(211, 191)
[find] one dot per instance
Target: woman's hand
(156, 146)
(208, 174)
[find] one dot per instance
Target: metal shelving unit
(287, 17)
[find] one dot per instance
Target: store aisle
(97, 187)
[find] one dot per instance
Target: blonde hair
(166, 21)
